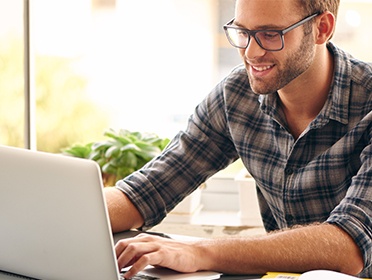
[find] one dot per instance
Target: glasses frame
(252, 33)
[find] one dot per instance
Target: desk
(288, 276)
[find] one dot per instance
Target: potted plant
(123, 153)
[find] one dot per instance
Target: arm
(189, 159)
(305, 248)
(123, 214)
(313, 247)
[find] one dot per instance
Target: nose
(253, 50)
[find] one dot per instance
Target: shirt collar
(341, 85)
(337, 104)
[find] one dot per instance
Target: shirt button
(289, 218)
(288, 171)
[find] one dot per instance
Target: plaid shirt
(324, 175)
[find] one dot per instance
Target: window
(138, 65)
(353, 28)
(11, 73)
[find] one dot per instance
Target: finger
(141, 264)
(128, 253)
(149, 237)
(123, 243)
(124, 256)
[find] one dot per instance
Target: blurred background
(137, 65)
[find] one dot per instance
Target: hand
(145, 249)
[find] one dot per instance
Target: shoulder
(362, 73)
(350, 69)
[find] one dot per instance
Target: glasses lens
(269, 40)
(237, 37)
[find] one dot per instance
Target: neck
(304, 97)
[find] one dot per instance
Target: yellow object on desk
(311, 275)
(281, 275)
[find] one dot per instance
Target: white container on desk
(248, 203)
(187, 209)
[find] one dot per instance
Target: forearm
(123, 214)
(301, 249)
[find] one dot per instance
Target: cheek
(242, 53)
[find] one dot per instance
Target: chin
(260, 90)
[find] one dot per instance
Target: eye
(269, 35)
(241, 33)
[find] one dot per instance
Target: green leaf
(136, 135)
(113, 151)
(130, 147)
(103, 145)
(101, 162)
(122, 138)
(78, 151)
(109, 168)
(128, 159)
(163, 143)
(124, 152)
(123, 172)
(148, 153)
(96, 155)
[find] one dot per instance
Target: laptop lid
(53, 217)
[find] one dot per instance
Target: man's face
(272, 71)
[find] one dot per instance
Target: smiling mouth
(262, 68)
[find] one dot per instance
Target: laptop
(54, 221)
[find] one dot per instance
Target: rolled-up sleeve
(354, 213)
(191, 157)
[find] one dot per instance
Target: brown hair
(312, 6)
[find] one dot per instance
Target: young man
(298, 115)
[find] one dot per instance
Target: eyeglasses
(270, 40)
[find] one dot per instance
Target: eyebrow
(261, 27)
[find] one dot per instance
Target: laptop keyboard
(140, 276)
(15, 275)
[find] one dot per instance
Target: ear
(325, 26)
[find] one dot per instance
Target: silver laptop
(53, 218)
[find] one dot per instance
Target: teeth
(263, 68)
